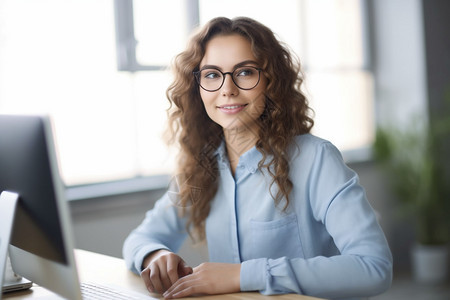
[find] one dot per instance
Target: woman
(279, 209)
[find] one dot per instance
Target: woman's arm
(162, 228)
(328, 277)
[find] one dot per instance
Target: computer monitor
(32, 201)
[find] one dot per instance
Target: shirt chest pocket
(277, 238)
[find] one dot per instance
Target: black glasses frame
(197, 78)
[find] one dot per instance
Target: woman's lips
(231, 108)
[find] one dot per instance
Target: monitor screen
(25, 170)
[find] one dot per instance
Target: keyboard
(95, 291)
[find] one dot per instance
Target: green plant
(416, 162)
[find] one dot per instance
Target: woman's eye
(211, 75)
(244, 72)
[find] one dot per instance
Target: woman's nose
(229, 88)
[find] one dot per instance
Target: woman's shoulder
(310, 138)
(309, 141)
(309, 148)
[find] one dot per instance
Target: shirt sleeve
(363, 266)
(162, 228)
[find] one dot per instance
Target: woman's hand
(163, 269)
(208, 278)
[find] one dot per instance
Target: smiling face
(231, 107)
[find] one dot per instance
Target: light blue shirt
(327, 243)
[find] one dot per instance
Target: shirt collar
(249, 159)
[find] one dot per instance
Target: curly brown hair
(286, 115)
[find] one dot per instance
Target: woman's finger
(155, 278)
(163, 276)
(145, 275)
(173, 262)
(186, 286)
(184, 269)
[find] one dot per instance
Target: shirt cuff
(253, 275)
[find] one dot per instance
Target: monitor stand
(8, 204)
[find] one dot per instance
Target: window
(338, 74)
(59, 58)
(108, 102)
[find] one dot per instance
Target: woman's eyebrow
(210, 67)
(243, 63)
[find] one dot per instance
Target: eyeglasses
(212, 79)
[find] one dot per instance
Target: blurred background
(100, 69)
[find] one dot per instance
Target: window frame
(126, 41)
